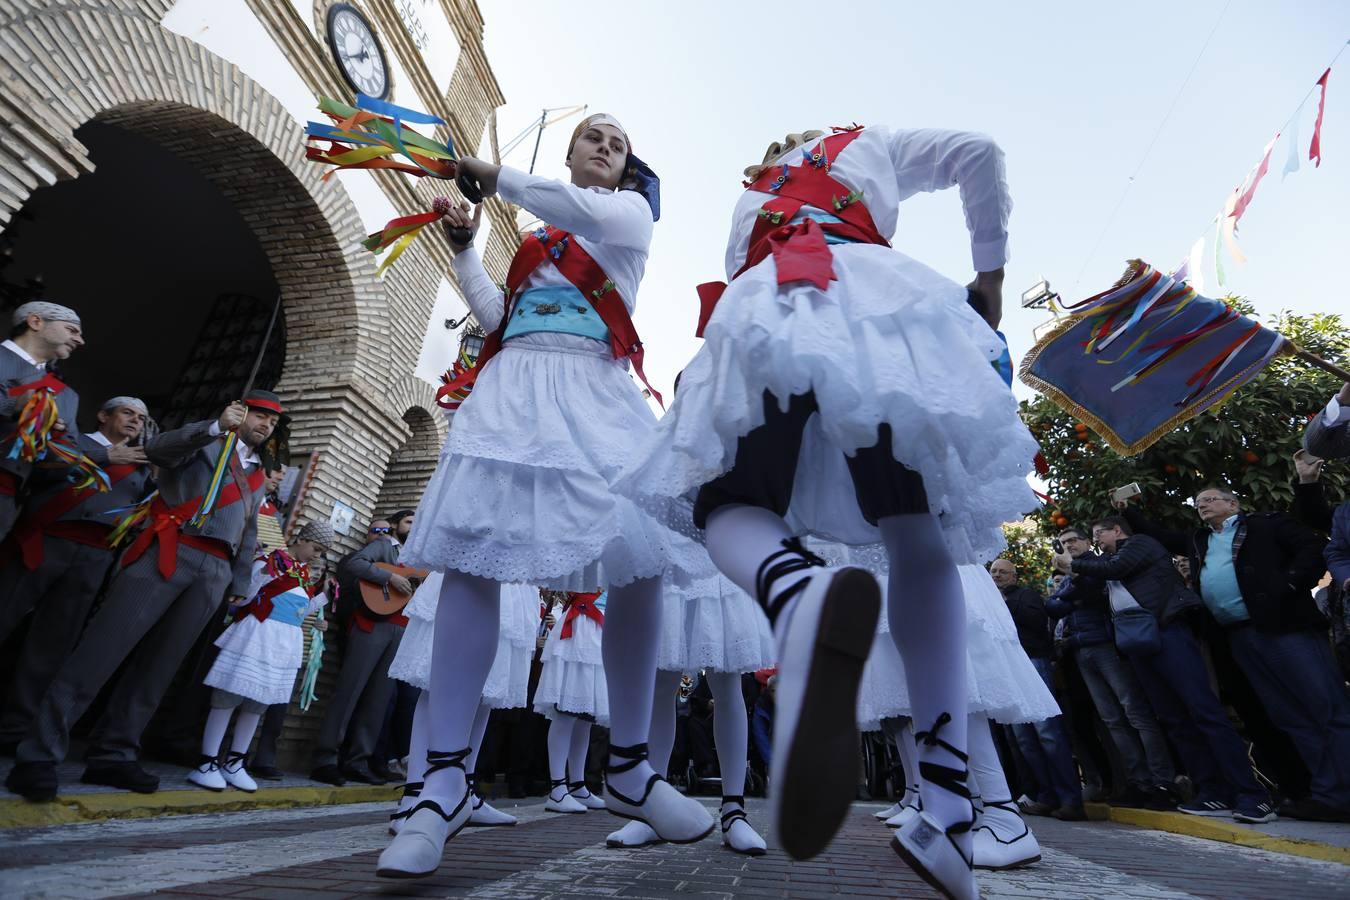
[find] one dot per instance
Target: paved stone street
(331, 851)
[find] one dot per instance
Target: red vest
(585, 274)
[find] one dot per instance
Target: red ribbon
(579, 605)
(1315, 148)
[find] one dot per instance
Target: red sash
(799, 250)
(34, 523)
(579, 605)
(165, 522)
(262, 606)
(48, 381)
(585, 274)
(366, 620)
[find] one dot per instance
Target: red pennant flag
(1261, 170)
(1315, 148)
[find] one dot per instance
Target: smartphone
(1056, 546)
(1128, 492)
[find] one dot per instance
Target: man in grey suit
(57, 556)
(357, 709)
(40, 334)
(1328, 434)
(170, 582)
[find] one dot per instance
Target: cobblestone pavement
(331, 852)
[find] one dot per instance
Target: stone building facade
(227, 85)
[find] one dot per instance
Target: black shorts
(766, 465)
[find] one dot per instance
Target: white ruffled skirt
(1000, 680)
(890, 341)
(712, 624)
(522, 492)
(508, 682)
(258, 659)
(573, 678)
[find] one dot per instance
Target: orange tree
(1029, 550)
(1247, 443)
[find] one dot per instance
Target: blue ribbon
(647, 184)
(385, 108)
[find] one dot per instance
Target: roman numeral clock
(357, 51)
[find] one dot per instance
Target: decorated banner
(1137, 361)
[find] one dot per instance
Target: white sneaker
(236, 775)
(930, 852)
(416, 851)
(1003, 840)
(632, 835)
(824, 635)
(560, 801)
(582, 794)
(485, 815)
(737, 832)
(208, 776)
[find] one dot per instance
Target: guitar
(383, 599)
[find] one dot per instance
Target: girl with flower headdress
(522, 492)
(844, 391)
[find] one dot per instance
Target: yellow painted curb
(71, 808)
(1228, 832)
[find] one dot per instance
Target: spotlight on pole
(1039, 296)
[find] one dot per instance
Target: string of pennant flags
(1222, 229)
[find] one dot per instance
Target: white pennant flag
(1195, 266)
(1291, 162)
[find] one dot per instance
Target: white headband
(47, 311)
(129, 402)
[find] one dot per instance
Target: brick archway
(76, 61)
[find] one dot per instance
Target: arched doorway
(411, 465)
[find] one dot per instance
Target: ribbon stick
(1315, 148)
(217, 480)
(135, 516)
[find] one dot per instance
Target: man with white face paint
(58, 553)
(41, 333)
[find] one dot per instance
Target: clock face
(358, 53)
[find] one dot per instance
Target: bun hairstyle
(778, 148)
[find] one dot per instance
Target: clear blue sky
(1072, 91)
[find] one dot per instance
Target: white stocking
(576, 754)
(631, 639)
(480, 724)
(662, 740)
(417, 740)
(927, 615)
(990, 781)
(467, 621)
(731, 730)
(214, 734)
(560, 729)
(740, 538)
(244, 725)
(909, 758)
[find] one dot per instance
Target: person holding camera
(1081, 601)
(1165, 654)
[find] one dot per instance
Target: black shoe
(352, 773)
(1133, 797)
(329, 774)
(266, 773)
(384, 773)
(1035, 808)
(1070, 814)
(129, 776)
(1162, 798)
(515, 789)
(36, 782)
(1310, 810)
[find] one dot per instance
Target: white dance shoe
(910, 806)
(888, 812)
(417, 849)
(737, 833)
(582, 794)
(632, 835)
(673, 816)
(236, 775)
(485, 815)
(207, 775)
(824, 626)
(411, 792)
(935, 857)
(1003, 840)
(560, 801)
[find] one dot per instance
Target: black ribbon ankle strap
(793, 558)
(234, 757)
(556, 783)
(574, 786)
(931, 739)
(205, 760)
(731, 816)
(635, 755)
(413, 788)
(439, 760)
(948, 778)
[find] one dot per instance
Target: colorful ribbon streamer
(313, 663)
(136, 516)
(401, 232)
(369, 134)
(217, 482)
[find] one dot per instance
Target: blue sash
(557, 308)
(820, 216)
(289, 607)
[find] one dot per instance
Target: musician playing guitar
(356, 711)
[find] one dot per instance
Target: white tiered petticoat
(712, 624)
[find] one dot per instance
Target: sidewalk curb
(71, 809)
(1227, 832)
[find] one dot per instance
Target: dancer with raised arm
(522, 493)
(845, 390)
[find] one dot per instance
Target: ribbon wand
(232, 437)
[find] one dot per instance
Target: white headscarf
(48, 311)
